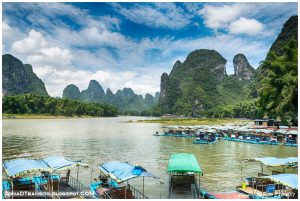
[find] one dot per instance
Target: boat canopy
(60, 162)
(290, 180)
(20, 167)
(292, 132)
(280, 131)
(272, 161)
(123, 171)
(183, 163)
(210, 131)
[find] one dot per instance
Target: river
(98, 140)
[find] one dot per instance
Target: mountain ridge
(19, 78)
(201, 82)
(125, 99)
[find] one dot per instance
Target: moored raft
(41, 178)
(223, 195)
(279, 185)
(184, 176)
(112, 178)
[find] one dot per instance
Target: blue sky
(132, 44)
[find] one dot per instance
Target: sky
(132, 44)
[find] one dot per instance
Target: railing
(195, 191)
(104, 195)
(136, 193)
(74, 183)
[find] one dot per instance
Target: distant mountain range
(19, 78)
(126, 100)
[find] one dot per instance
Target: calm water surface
(98, 140)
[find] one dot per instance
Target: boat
(276, 186)
(280, 186)
(208, 139)
(112, 182)
(184, 176)
(42, 178)
(223, 195)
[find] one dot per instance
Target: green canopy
(182, 163)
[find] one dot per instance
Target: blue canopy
(290, 180)
(123, 171)
(19, 167)
(272, 161)
(60, 162)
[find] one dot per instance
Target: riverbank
(41, 116)
(197, 121)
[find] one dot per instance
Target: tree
(278, 90)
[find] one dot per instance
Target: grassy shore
(196, 121)
(39, 116)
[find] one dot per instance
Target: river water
(98, 140)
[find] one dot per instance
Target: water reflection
(98, 140)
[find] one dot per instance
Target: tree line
(46, 105)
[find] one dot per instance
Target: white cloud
(228, 17)
(9, 35)
(5, 27)
(29, 45)
(141, 88)
(245, 26)
(216, 17)
(165, 15)
(51, 56)
(39, 52)
(232, 18)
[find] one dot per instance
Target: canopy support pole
(91, 174)
(126, 189)
(77, 172)
(143, 185)
(262, 168)
(12, 188)
(160, 189)
(241, 170)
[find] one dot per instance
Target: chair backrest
(68, 173)
(270, 188)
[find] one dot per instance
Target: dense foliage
(241, 109)
(278, 89)
(36, 104)
(200, 83)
